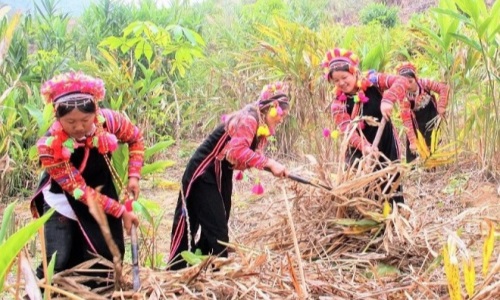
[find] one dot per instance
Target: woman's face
(413, 87)
(273, 122)
(344, 81)
(77, 124)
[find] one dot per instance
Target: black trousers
(65, 240)
(208, 210)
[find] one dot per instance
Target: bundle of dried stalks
(358, 266)
(320, 244)
(346, 221)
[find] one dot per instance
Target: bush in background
(378, 12)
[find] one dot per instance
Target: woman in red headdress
(358, 96)
(207, 184)
(421, 107)
(75, 154)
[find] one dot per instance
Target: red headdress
(273, 91)
(71, 87)
(340, 58)
(271, 96)
(406, 68)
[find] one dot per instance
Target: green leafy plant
(53, 31)
(153, 214)
(193, 258)
(50, 273)
(291, 51)
(120, 160)
(480, 40)
(10, 246)
(378, 12)
(149, 210)
(168, 52)
(146, 39)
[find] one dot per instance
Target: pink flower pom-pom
(57, 126)
(239, 176)
(363, 98)
(342, 97)
(326, 132)
(280, 111)
(265, 95)
(112, 142)
(65, 153)
(273, 89)
(258, 189)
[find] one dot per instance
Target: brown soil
(436, 197)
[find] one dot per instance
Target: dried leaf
(488, 245)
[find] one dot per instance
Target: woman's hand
(276, 168)
(129, 218)
(133, 188)
(441, 111)
(413, 149)
(386, 109)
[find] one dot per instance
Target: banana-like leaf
(469, 275)
(422, 148)
(157, 166)
(7, 216)
(435, 134)
(17, 241)
(383, 270)
(354, 230)
(488, 245)
(160, 146)
(141, 208)
(8, 90)
(120, 163)
(352, 222)
(451, 270)
(193, 258)
(8, 35)
(50, 272)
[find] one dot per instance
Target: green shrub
(378, 12)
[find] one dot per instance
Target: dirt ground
(443, 194)
(436, 196)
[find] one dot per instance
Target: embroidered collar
(63, 145)
(360, 96)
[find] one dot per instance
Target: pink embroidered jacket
(238, 150)
(393, 89)
(70, 178)
(420, 100)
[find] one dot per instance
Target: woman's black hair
(256, 109)
(86, 106)
(284, 104)
(334, 67)
(408, 73)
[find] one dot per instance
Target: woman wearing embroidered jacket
(207, 183)
(356, 96)
(421, 107)
(75, 154)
